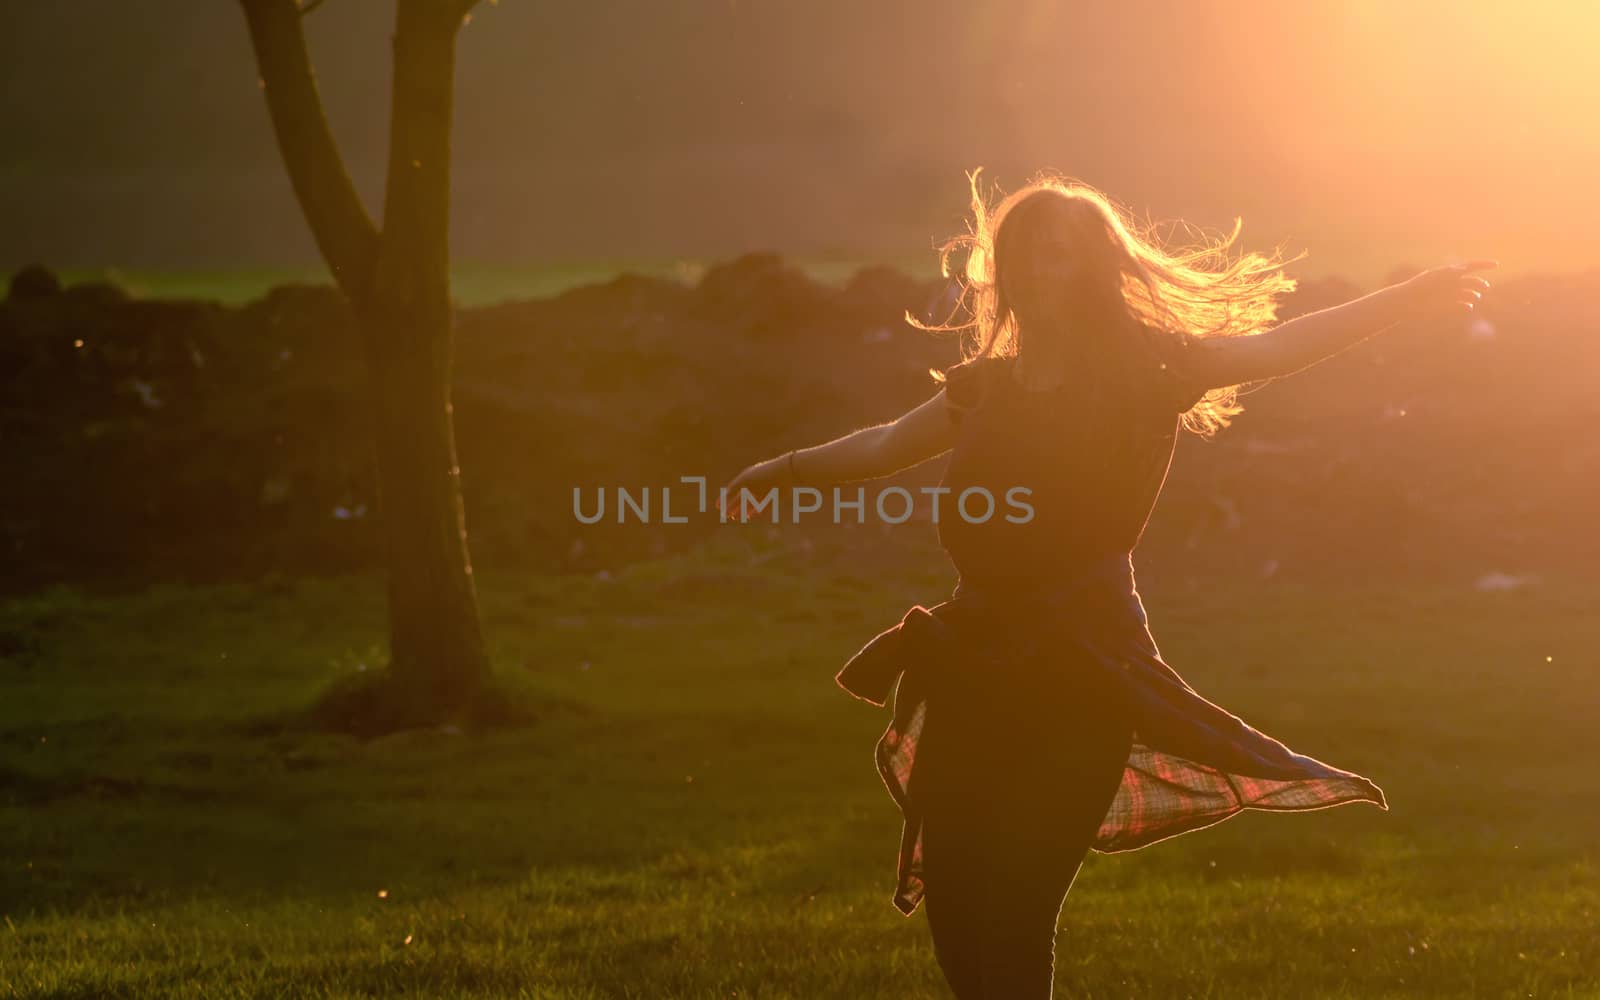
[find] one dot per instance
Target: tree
(397, 281)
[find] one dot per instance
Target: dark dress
(1042, 662)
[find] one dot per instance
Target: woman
(1034, 704)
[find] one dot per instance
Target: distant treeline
(186, 439)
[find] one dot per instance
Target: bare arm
(1313, 338)
(919, 434)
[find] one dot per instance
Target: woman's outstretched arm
(921, 433)
(1307, 340)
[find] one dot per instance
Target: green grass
(472, 284)
(696, 815)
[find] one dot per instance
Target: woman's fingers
(735, 509)
(1465, 289)
(1467, 298)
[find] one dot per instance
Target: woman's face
(1047, 276)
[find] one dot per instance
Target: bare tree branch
(412, 265)
(343, 231)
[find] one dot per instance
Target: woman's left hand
(1449, 290)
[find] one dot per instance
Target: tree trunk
(399, 285)
(435, 641)
(436, 647)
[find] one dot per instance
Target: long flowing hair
(1150, 290)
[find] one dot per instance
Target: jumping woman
(1034, 719)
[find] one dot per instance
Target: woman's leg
(1011, 807)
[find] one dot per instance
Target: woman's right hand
(758, 479)
(1450, 290)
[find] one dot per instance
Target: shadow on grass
(371, 705)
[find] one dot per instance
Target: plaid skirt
(1192, 763)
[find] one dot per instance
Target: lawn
(695, 812)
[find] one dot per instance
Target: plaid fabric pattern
(1193, 764)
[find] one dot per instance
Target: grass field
(696, 813)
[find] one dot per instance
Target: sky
(1366, 135)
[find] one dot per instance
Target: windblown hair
(1141, 287)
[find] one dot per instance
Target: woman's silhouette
(1034, 704)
